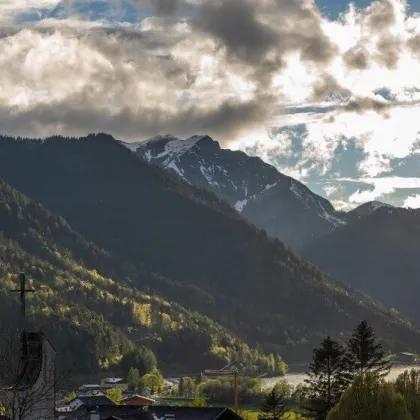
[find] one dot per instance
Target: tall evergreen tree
(364, 354)
(133, 379)
(181, 388)
(328, 379)
(273, 407)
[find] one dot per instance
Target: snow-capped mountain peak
(277, 203)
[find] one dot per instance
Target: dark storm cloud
(234, 23)
(288, 26)
(361, 105)
(356, 58)
(327, 85)
(78, 117)
(380, 17)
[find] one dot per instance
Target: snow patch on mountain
(207, 173)
(336, 221)
(173, 166)
(177, 147)
(148, 155)
(268, 186)
(132, 146)
(239, 206)
(308, 200)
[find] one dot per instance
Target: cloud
(161, 8)
(413, 44)
(246, 38)
(11, 9)
(331, 189)
(356, 58)
(381, 15)
(382, 187)
(127, 84)
(166, 7)
(412, 202)
(155, 76)
(341, 205)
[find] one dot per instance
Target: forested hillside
(215, 263)
(94, 319)
(378, 253)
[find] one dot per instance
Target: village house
(137, 400)
(89, 388)
(116, 383)
(89, 401)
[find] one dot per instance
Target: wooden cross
(23, 292)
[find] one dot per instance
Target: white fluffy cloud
(382, 187)
(412, 201)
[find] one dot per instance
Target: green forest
(124, 254)
(94, 320)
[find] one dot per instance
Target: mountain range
(372, 248)
(174, 245)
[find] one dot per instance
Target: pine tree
(328, 379)
(181, 388)
(273, 407)
(364, 354)
(133, 379)
(198, 380)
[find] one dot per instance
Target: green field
(251, 413)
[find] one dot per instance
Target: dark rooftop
(127, 412)
(95, 400)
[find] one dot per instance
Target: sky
(328, 92)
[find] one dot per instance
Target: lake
(295, 379)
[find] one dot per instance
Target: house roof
(126, 412)
(94, 400)
(137, 396)
(90, 386)
(113, 380)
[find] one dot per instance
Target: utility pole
(234, 373)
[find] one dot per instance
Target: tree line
(348, 383)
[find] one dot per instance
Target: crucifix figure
(23, 292)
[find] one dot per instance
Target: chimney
(94, 415)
